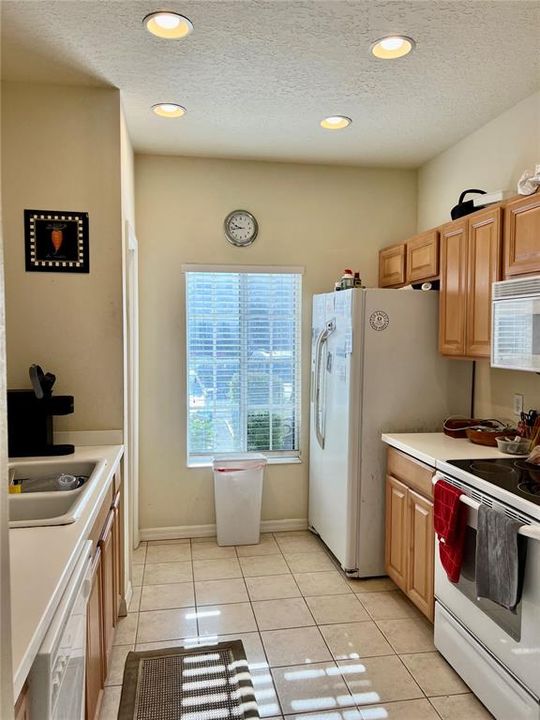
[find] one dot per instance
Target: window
(243, 362)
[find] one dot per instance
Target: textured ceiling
(257, 77)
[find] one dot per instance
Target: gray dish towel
(500, 558)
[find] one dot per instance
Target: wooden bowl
(486, 437)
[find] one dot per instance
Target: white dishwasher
(57, 678)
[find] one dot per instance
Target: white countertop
(435, 448)
(42, 559)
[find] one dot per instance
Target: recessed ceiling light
(169, 110)
(336, 122)
(393, 46)
(168, 25)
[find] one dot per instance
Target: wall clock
(241, 228)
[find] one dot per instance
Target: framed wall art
(56, 241)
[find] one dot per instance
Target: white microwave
(516, 324)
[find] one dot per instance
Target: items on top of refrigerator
(348, 280)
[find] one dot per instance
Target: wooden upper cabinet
(452, 300)
(392, 266)
(423, 257)
(484, 268)
(396, 531)
(522, 236)
(420, 571)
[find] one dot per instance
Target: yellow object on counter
(15, 489)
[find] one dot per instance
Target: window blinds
(243, 362)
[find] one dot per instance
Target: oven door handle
(530, 531)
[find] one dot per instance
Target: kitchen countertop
(42, 559)
(434, 448)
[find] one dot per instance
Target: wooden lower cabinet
(22, 706)
(94, 643)
(420, 573)
(396, 523)
(108, 589)
(410, 538)
(118, 543)
(105, 599)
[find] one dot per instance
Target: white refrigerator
(375, 368)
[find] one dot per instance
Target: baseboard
(195, 531)
(287, 525)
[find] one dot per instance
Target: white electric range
(496, 651)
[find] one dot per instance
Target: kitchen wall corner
(322, 217)
(491, 158)
(61, 151)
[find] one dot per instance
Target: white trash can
(238, 483)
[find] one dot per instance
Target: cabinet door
(484, 268)
(392, 266)
(22, 706)
(420, 577)
(452, 300)
(396, 531)
(522, 236)
(423, 257)
(118, 553)
(108, 590)
(94, 643)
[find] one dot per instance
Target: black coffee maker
(30, 417)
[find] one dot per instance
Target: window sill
(195, 465)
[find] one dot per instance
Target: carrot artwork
(57, 238)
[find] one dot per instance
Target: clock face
(241, 228)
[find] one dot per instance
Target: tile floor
(320, 646)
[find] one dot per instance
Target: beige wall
(491, 158)
(323, 218)
(127, 171)
(61, 151)
(6, 668)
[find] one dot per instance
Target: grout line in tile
(412, 677)
(258, 630)
(278, 700)
(433, 706)
(195, 604)
(140, 599)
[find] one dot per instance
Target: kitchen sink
(54, 507)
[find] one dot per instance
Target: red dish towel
(450, 522)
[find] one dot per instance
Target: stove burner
(530, 487)
(512, 475)
(529, 467)
(489, 471)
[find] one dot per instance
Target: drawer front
(412, 472)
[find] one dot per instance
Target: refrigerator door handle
(317, 393)
(319, 413)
